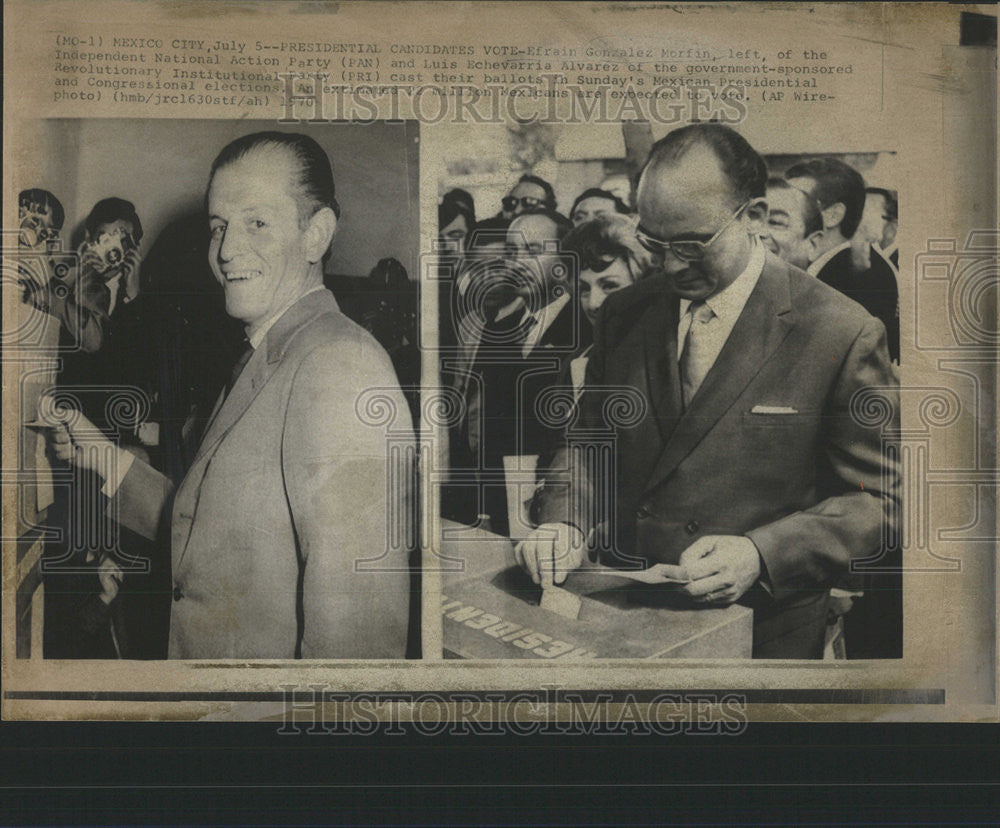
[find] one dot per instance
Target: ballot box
(491, 609)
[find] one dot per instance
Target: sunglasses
(510, 203)
(687, 250)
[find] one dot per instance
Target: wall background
(162, 167)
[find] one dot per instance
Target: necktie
(240, 365)
(697, 357)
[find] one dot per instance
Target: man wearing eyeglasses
(531, 194)
(748, 476)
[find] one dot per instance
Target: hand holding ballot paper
(715, 569)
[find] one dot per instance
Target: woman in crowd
(610, 259)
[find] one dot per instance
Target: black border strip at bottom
(935, 696)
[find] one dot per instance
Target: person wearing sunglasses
(531, 194)
(746, 470)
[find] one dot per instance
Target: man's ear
(756, 216)
(833, 215)
(319, 234)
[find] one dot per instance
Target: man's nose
(669, 263)
(230, 243)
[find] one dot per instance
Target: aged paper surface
(410, 100)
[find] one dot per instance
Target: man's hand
(721, 568)
(131, 266)
(551, 552)
(77, 441)
(110, 575)
(90, 260)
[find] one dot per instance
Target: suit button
(643, 512)
(177, 593)
(692, 527)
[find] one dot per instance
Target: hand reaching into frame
(551, 552)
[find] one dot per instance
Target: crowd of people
(742, 313)
(236, 437)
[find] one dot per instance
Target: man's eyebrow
(777, 212)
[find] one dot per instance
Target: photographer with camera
(106, 363)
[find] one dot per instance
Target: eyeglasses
(687, 250)
(528, 202)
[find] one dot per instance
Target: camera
(962, 281)
(110, 250)
(35, 228)
(35, 275)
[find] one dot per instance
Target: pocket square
(773, 409)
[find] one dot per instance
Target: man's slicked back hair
(314, 187)
(836, 183)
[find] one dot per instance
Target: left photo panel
(210, 331)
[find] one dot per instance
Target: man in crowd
(885, 205)
(794, 224)
(593, 203)
(840, 192)
(517, 355)
(530, 194)
(751, 476)
(279, 529)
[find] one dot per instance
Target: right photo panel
(671, 354)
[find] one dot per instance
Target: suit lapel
(660, 347)
(761, 328)
(259, 369)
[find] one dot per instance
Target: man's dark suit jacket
(874, 289)
(769, 447)
(510, 386)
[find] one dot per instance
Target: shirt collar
(544, 316)
(509, 309)
(730, 301)
(258, 335)
(820, 263)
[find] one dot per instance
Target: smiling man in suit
(750, 474)
(275, 527)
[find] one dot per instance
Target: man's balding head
(700, 181)
(533, 246)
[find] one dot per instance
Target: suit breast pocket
(777, 418)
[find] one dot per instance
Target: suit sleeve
(814, 547)
(84, 312)
(565, 492)
(142, 500)
(351, 507)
